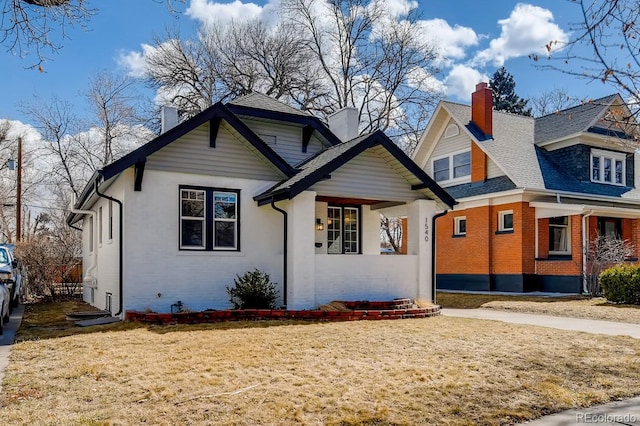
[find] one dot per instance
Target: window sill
(225, 253)
(555, 257)
(506, 231)
(458, 235)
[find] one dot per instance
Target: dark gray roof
(264, 102)
(489, 186)
(572, 120)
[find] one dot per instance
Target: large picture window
(343, 230)
(209, 219)
(453, 168)
(608, 167)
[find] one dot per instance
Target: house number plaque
(426, 229)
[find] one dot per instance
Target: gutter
(585, 241)
(120, 247)
(285, 250)
(88, 276)
(433, 253)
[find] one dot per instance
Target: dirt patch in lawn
(440, 370)
(474, 300)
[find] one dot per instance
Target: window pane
(334, 225)
(441, 169)
(595, 171)
(507, 221)
(192, 203)
(350, 230)
(558, 241)
(462, 226)
(225, 205)
(225, 234)
(192, 235)
(462, 164)
(607, 170)
(619, 176)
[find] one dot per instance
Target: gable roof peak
(261, 101)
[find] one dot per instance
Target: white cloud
(462, 80)
(450, 42)
(527, 30)
(210, 12)
(397, 8)
(135, 63)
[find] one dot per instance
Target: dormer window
(608, 167)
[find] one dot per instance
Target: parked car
(10, 273)
(5, 295)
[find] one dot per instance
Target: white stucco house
(250, 184)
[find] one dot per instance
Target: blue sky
(475, 38)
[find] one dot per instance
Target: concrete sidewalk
(611, 328)
(616, 413)
(8, 337)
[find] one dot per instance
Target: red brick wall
(478, 163)
(560, 267)
(482, 251)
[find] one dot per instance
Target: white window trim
(613, 156)
(456, 225)
(451, 181)
(568, 234)
(234, 220)
(501, 216)
(203, 219)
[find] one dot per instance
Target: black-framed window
(209, 219)
(610, 227)
(460, 226)
(343, 230)
(505, 221)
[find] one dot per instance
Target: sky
(473, 37)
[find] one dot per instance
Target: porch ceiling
(342, 200)
(546, 210)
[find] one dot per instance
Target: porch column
(301, 267)
(420, 235)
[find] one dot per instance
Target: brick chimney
(482, 108)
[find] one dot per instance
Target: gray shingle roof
(512, 145)
(264, 102)
(572, 120)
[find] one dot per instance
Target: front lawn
(568, 306)
(438, 370)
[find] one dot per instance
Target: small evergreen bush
(253, 290)
(621, 284)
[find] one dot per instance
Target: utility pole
(19, 194)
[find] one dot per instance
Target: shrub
(253, 290)
(621, 284)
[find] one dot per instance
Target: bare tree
(391, 232)
(30, 28)
(551, 101)
(228, 61)
(604, 252)
(605, 45)
(371, 60)
(322, 57)
(117, 121)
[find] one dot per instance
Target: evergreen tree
(504, 94)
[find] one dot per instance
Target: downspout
(120, 247)
(585, 242)
(88, 274)
(285, 251)
(433, 253)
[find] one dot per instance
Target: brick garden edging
(373, 311)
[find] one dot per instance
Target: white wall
(365, 277)
(158, 274)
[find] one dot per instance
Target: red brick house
(531, 192)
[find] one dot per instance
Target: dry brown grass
(596, 308)
(567, 306)
(439, 370)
